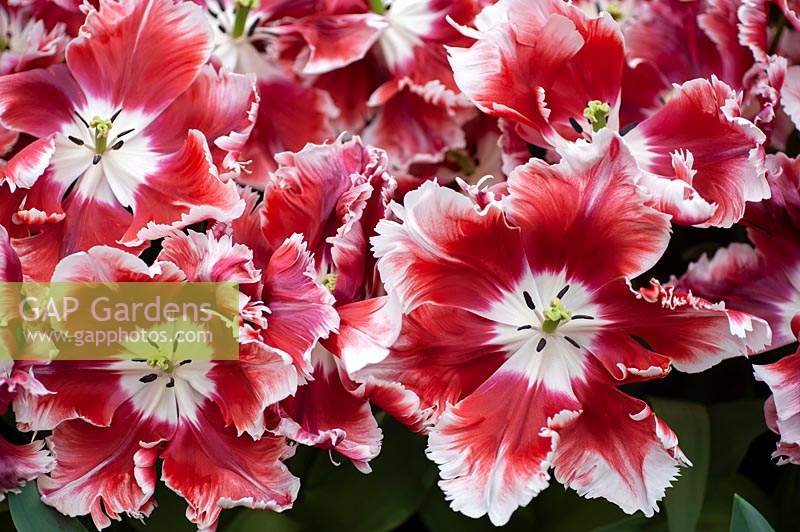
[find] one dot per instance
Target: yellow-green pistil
(377, 6)
(162, 362)
(596, 113)
(101, 126)
(615, 10)
(329, 281)
(243, 8)
(555, 315)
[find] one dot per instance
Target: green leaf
(745, 518)
(337, 498)
(558, 509)
(716, 516)
(30, 514)
(248, 520)
(690, 421)
(734, 426)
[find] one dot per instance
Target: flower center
(161, 362)
(596, 113)
(99, 128)
(554, 315)
(329, 281)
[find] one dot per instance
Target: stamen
(529, 300)
(182, 362)
(625, 130)
(85, 123)
(582, 317)
(575, 125)
(149, 378)
(541, 345)
(562, 292)
(118, 145)
(76, 140)
(116, 114)
(212, 12)
(222, 28)
(253, 26)
(96, 158)
(524, 327)
(138, 360)
(573, 342)
(171, 382)
(641, 341)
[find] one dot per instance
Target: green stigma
(615, 10)
(243, 8)
(555, 315)
(3, 43)
(377, 6)
(161, 362)
(329, 281)
(596, 113)
(101, 128)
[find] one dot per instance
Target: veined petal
(617, 449)
(116, 474)
(587, 213)
(39, 102)
(703, 118)
(247, 473)
(185, 189)
(325, 414)
(494, 447)
(140, 55)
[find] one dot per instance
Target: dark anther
(523, 327)
(529, 300)
(96, 158)
(575, 125)
(171, 382)
(138, 360)
(628, 128)
(76, 140)
(149, 378)
(124, 133)
(582, 317)
(118, 145)
(541, 345)
(222, 28)
(573, 342)
(562, 292)
(641, 341)
(116, 114)
(212, 13)
(85, 123)
(184, 362)
(253, 27)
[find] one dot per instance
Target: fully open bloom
(521, 324)
(557, 75)
(121, 154)
(202, 418)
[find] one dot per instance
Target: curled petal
(246, 472)
(703, 118)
